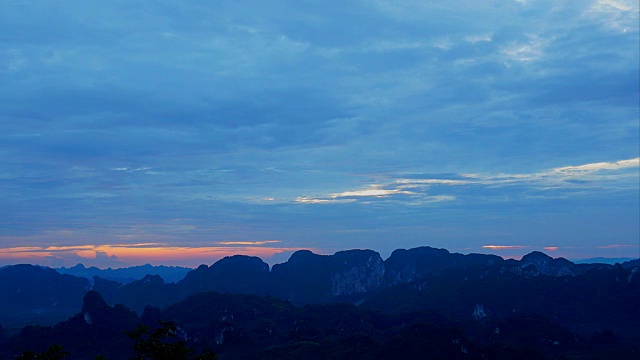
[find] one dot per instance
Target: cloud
(121, 255)
(311, 200)
(581, 169)
(504, 247)
(616, 246)
(118, 127)
(594, 177)
(620, 15)
(249, 242)
(619, 5)
(374, 191)
(416, 182)
(531, 50)
(478, 38)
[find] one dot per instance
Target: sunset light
(118, 255)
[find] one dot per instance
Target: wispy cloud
(616, 246)
(619, 15)
(595, 177)
(374, 191)
(581, 169)
(249, 242)
(137, 254)
(619, 5)
(532, 49)
(312, 200)
(505, 247)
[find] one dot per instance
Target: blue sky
(132, 132)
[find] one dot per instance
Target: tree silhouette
(54, 352)
(163, 344)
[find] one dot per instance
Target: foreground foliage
(161, 343)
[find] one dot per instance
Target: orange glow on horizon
(147, 252)
(249, 242)
(504, 247)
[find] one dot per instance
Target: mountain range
(328, 304)
(128, 274)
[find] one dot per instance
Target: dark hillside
(38, 295)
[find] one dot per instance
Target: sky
(179, 132)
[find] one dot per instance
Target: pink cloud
(138, 254)
(504, 247)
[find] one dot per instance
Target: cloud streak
(505, 247)
(138, 254)
(592, 177)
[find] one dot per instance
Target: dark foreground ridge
(350, 305)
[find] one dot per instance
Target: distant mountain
(310, 278)
(151, 290)
(418, 301)
(129, 274)
(234, 274)
(353, 276)
(304, 278)
(350, 275)
(631, 264)
(602, 260)
(407, 265)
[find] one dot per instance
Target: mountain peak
(419, 252)
(93, 303)
(240, 260)
(535, 255)
(153, 279)
(547, 265)
(406, 265)
(302, 255)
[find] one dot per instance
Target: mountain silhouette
(307, 305)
